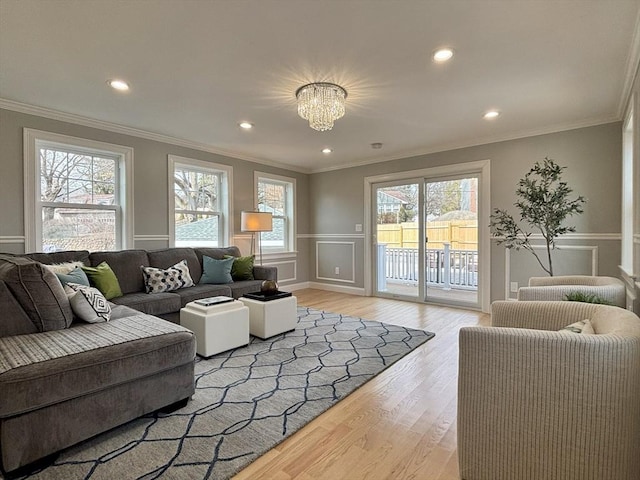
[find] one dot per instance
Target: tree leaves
(544, 205)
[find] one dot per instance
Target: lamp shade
(256, 221)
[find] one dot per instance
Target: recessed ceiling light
(491, 114)
(246, 125)
(326, 150)
(119, 85)
(442, 55)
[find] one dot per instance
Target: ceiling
(198, 67)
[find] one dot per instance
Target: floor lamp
(256, 222)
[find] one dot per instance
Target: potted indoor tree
(544, 204)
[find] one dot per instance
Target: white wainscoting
(507, 261)
(350, 248)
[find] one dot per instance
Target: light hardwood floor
(399, 425)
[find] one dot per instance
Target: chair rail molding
(12, 239)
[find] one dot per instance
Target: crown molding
(633, 67)
(136, 132)
(158, 137)
(445, 147)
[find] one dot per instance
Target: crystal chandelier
(321, 104)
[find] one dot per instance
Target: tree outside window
(78, 199)
(275, 195)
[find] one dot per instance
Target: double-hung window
(200, 198)
(276, 194)
(75, 193)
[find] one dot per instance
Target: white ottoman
(272, 317)
(217, 327)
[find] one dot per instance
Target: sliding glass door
(451, 226)
(398, 235)
(425, 239)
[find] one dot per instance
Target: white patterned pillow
(157, 280)
(89, 304)
(581, 326)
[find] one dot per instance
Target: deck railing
(443, 267)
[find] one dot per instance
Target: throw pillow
(89, 304)
(157, 280)
(216, 271)
(38, 292)
(242, 268)
(76, 275)
(103, 278)
(581, 326)
(63, 268)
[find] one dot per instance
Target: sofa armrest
(539, 315)
(261, 272)
(538, 404)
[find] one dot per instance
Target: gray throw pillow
(38, 291)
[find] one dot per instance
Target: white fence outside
(444, 267)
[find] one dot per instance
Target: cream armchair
(538, 404)
(555, 288)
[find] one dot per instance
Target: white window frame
(33, 140)
(290, 208)
(225, 214)
(628, 210)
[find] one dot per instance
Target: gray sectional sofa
(126, 265)
(62, 380)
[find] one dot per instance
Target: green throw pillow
(76, 275)
(242, 268)
(216, 271)
(103, 278)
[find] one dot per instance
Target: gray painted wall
(330, 204)
(593, 159)
(150, 182)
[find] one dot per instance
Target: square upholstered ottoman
(217, 327)
(269, 318)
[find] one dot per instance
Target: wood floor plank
(399, 425)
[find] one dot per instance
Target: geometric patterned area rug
(247, 401)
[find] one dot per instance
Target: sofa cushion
(88, 304)
(217, 253)
(60, 257)
(38, 291)
(156, 304)
(216, 271)
(87, 358)
(104, 279)
(159, 280)
(126, 265)
(202, 290)
(170, 256)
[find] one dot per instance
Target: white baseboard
(324, 286)
(337, 288)
(294, 286)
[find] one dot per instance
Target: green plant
(544, 205)
(586, 297)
